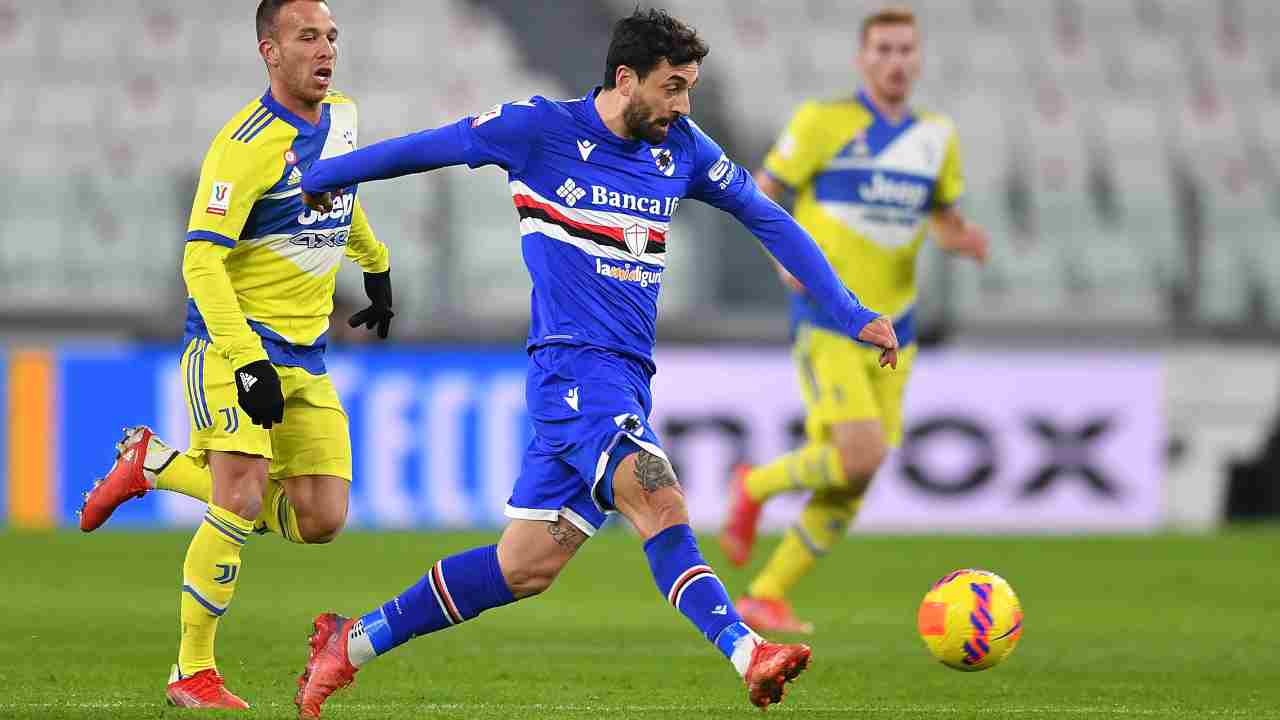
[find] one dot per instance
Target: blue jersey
(595, 213)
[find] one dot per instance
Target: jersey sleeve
(232, 179)
(504, 135)
(797, 154)
(950, 179)
(204, 270)
(363, 248)
(717, 180)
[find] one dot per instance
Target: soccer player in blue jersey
(595, 182)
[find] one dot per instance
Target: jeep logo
(343, 206)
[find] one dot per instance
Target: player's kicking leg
(646, 491)
(525, 562)
(307, 509)
(143, 463)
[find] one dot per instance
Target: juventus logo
(228, 574)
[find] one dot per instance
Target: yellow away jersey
(283, 256)
(865, 188)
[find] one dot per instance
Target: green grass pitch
(1164, 627)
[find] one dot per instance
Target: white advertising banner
(993, 442)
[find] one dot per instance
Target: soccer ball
(970, 619)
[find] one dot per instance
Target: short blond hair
(887, 16)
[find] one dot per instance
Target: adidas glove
(378, 287)
(258, 391)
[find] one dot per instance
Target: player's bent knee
(531, 554)
(532, 575)
(669, 508)
(242, 501)
(860, 461)
(527, 581)
(322, 527)
(646, 491)
(238, 482)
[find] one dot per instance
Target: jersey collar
(881, 119)
(304, 127)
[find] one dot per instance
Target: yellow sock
(824, 521)
(186, 473)
(813, 467)
(278, 514)
(209, 578)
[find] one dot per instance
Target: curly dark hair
(643, 39)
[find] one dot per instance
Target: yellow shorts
(312, 440)
(842, 381)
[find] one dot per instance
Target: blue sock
(690, 585)
(455, 590)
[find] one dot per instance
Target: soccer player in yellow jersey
(868, 172)
(270, 450)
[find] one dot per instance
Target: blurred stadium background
(1124, 154)
(1113, 370)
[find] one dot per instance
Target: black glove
(378, 287)
(258, 390)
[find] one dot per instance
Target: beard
(641, 123)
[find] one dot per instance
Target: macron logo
(247, 381)
(570, 192)
(585, 148)
(571, 398)
(720, 610)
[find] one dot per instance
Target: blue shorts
(590, 409)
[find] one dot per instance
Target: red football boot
(771, 615)
(739, 533)
(139, 456)
(328, 668)
(204, 690)
(773, 666)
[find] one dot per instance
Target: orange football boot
(328, 669)
(739, 534)
(130, 476)
(204, 690)
(773, 665)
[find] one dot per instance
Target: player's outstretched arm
(777, 191)
(801, 257)
(720, 183)
(416, 153)
(959, 236)
(503, 136)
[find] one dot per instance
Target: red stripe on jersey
(558, 216)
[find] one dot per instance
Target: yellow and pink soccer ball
(970, 619)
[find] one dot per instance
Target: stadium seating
(1159, 181)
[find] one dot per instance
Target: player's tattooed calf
(566, 534)
(654, 473)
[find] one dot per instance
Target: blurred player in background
(270, 450)
(595, 182)
(868, 171)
